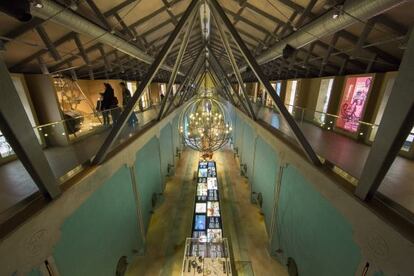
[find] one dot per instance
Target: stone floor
(171, 223)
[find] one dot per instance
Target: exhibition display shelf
(207, 252)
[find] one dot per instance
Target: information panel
(353, 102)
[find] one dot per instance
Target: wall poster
(353, 102)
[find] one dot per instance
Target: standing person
(106, 102)
(126, 97)
(115, 109)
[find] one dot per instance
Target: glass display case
(79, 113)
(207, 217)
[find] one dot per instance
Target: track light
(37, 4)
(337, 11)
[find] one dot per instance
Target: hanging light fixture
(204, 124)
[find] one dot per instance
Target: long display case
(207, 252)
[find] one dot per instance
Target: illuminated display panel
(201, 208)
(200, 222)
(202, 173)
(353, 102)
(212, 183)
(213, 209)
(202, 189)
(214, 234)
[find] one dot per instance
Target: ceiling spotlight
(337, 11)
(38, 4)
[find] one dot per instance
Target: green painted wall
(248, 144)
(313, 232)
(266, 167)
(148, 173)
(238, 133)
(166, 144)
(309, 228)
(34, 272)
(176, 134)
(100, 231)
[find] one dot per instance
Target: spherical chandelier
(204, 124)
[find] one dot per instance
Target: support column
(193, 78)
(184, 83)
(394, 128)
(19, 133)
(235, 67)
(226, 78)
(177, 65)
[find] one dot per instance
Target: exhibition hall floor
(17, 185)
(350, 156)
(171, 222)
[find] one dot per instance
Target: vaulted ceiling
(42, 45)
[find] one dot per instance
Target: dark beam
(58, 42)
(48, 43)
(82, 51)
(99, 14)
(23, 28)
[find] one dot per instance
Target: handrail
(95, 114)
(328, 114)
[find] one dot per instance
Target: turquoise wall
(312, 231)
(238, 133)
(308, 227)
(166, 144)
(176, 134)
(100, 231)
(35, 272)
(148, 173)
(106, 227)
(263, 181)
(248, 144)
